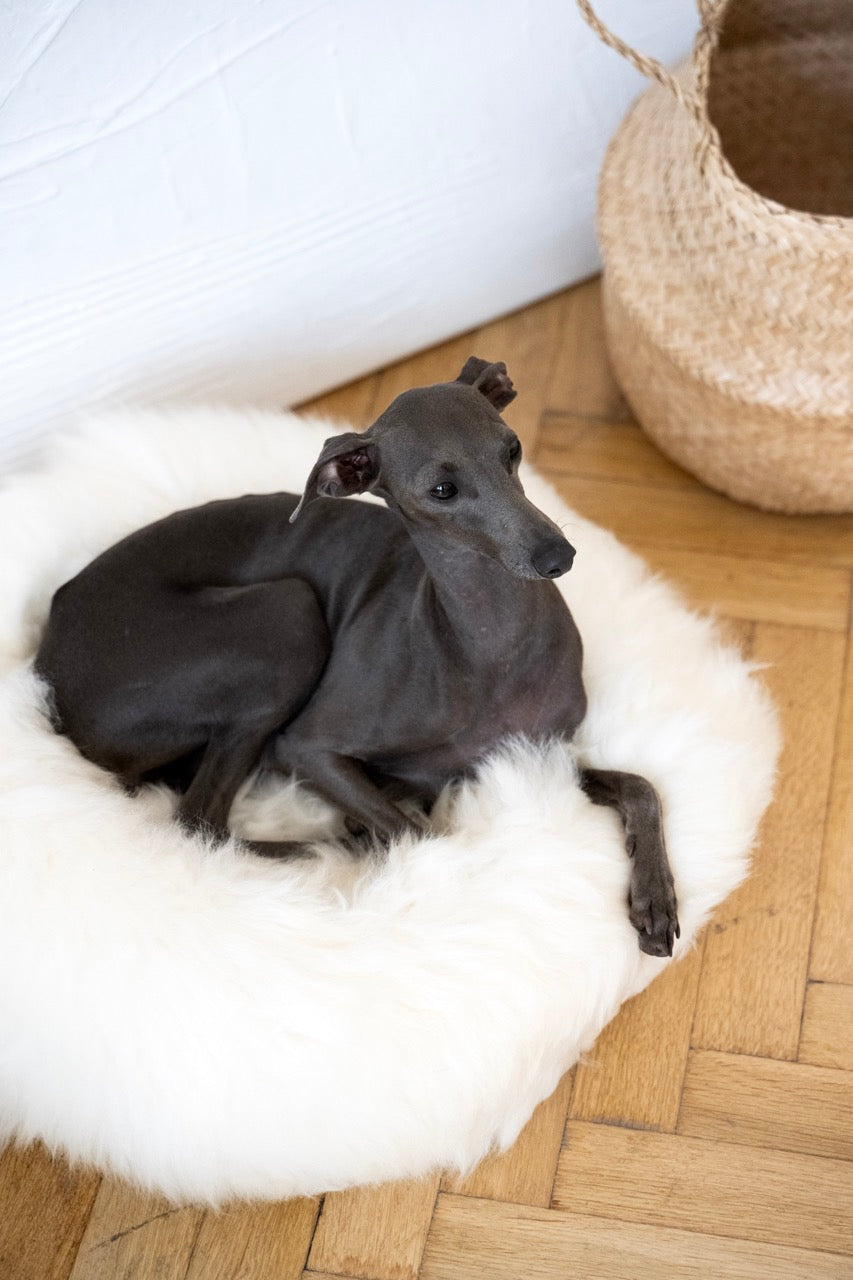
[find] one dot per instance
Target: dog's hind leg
(260, 652)
(228, 759)
(651, 896)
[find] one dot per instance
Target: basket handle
(710, 13)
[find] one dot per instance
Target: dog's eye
(514, 454)
(444, 490)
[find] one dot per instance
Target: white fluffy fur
(213, 1025)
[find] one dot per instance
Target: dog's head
(443, 459)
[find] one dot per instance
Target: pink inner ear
(350, 473)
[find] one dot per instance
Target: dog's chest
(538, 695)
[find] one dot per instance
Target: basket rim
(688, 86)
(632, 219)
(725, 173)
(718, 169)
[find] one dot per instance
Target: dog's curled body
(351, 644)
(245, 626)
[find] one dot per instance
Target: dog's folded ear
(492, 379)
(347, 464)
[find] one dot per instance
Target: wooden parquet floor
(711, 1134)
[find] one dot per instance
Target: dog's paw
(652, 910)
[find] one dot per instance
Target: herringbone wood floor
(712, 1135)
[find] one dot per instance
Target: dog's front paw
(652, 909)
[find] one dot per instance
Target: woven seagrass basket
(725, 223)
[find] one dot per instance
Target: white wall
(222, 200)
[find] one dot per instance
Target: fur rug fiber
(213, 1025)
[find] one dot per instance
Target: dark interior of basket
(781, 96)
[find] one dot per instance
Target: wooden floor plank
(256, 1242)
(753, 979)
(525, 1173)
(787, 1106)
(527, 342)
(826, 1038)
(634, 1073)
(712, 1187)
(574, 445)
(762, 589)
(439, 364)
(582, 381)
(374, 1233)
(354, 403)
(706, 521)
(832, 945)
(479, 1240)
(44, 1208)
(132, 1235)
(756, 590)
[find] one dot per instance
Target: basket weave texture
(724, 220)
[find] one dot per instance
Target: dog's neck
(485, 607)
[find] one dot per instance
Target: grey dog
(372, 651)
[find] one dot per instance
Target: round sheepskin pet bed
(212, 1024)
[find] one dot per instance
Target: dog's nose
(554, 558)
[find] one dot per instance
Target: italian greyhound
(371, 651)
